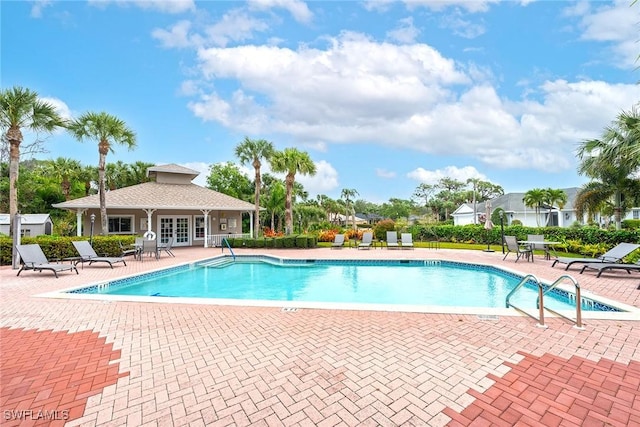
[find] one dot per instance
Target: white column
(149, 223)
(206, 227)
(79, 213)
(250, 225)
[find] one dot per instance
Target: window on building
(25, 232)
(121, 224)
(636, 214)
(199, 227)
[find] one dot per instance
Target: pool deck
(92, 362)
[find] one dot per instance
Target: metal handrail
(540, 301)
(226, 242)
(524, 280)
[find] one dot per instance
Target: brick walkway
(183, 364)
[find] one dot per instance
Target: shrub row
(303, 241)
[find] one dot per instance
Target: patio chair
(406, 240)
(367, 239)
(392, 239)
(338, 241)
(512, 246)
(167, 247)
(603, 266)
(150, 248)
(135, 250)
(612, 256)
(88, 254)
(34, 259)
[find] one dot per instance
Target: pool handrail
(524, 280)
(578, 321)
(226, 242)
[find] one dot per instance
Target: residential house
(30, 224)
(168, 206)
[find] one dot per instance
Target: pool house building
(170, 205)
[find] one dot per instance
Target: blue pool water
(370, 282)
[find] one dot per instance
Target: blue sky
(383, 95)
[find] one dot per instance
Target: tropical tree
(614, 159)
(254, 151)
(21, 109)
(106, 129)
(291, 161)
(273, 199)
(349, 194)
(535, 199)
(89, 176)
(555, 197)
(64, 170)
(227, 178)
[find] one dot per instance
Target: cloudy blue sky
(383, 95)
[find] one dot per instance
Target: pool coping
(630, 313)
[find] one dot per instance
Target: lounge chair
(612, 256)
(603, 266)
(406, 240)
(88, 254)
(392, 239)
(34, 259)
(512, 246)
(167, 247)
(367, 239)
(338, 241)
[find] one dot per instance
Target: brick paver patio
(192, 364)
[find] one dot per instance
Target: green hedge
(301, 241)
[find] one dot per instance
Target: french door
(176, 227)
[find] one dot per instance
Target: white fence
(215, 240)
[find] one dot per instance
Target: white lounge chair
(367, 239)
(392, 239)
(338, 241)
(34, 259)
(406, 240)
(612, 256)
(88, 254)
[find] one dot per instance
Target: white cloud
(235, 26)
(616, 24)
(38, 6)
(404, 96)
(405, 33)
(462, 27)
(472, 6)
(61, 107)
(177, 36)
(433, 176)
(201, 167)
(324, 181)
(383, 173)
(297, 9)
(164, 6)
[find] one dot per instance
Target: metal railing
(225, 242)
(540, 300)
(578, 321)
(215, 240)
(524, 280)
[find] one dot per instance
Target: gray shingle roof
(153, 195)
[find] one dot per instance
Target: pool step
(218, 262)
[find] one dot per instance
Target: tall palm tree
(65, 170)
(107, 129)
(535, 199)
(291, 161)
(20, 109)
(614, 158)
(349, 194)
(254, 150)
(88, 175)
(555, 197)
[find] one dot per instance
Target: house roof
(155, 195)
(26, 218)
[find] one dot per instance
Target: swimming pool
(364, 282)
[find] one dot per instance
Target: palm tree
(107, 129)
(291, 161)
(348, 194)
(20, 109)
(535, 199)
(254, 150)
(614, 159)
(555, 197)
(65, 170)
(88, 175)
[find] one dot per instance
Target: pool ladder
(226, 242)
(540, 300)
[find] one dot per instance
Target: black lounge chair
(88, 254)
(612, 256)
(34, 259)
(603, 266)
